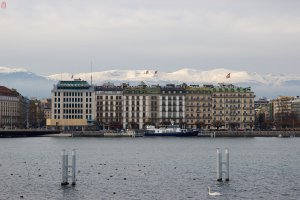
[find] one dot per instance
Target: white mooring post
(227, 164)
(73, 167)
(220, 163)
(66, 166)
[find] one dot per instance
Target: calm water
(154, 168)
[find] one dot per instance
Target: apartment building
(232, 107)
(172, 104)
(140, 106)
(198, 106)
(10, 108)
(296, 108)
(284, 112)
(109, 106)
(282, 106)
(46, 108)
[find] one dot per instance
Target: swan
(213, 193)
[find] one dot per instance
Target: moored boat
(171, 130)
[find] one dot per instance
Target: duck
(213, 193)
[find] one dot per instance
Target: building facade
(109, 106)
(172, 104)
(10, 108)
(73, 105)
(141, 106)
(232, 107)
(198, 107)
(76, 103)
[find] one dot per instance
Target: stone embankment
(106, 133)
(26, 132)
(250, 134)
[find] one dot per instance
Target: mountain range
(270, 85)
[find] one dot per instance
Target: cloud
(140, 32)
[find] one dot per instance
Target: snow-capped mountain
(270, 85)
(27, 83)
(183, 75)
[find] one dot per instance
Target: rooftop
(75, 84)
(4, 91)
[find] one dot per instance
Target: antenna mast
(91, 73)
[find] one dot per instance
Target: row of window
(110, 97)
(198, 109)
(89, 117)
(197, 121)
(109, 115)
(109, 103)
(72, 111)
(72, 94)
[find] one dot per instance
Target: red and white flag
(228, 75)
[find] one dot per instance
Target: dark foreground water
(154, 168)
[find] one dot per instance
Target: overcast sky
(57, 36)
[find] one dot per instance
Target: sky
(48, 37)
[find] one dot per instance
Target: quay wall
(107, 133)
(26, 132)
(250, 133)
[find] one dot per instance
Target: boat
(170, 130)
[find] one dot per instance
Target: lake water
(150, 168)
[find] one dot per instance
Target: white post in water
(227, 164)
(219, 165)
(64, 168)
(73, 167)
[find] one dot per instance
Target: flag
(228, 75)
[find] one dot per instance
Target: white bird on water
(213, 193)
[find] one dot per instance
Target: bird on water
(213, 193)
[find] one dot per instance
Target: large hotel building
(76, 104)
(73, 105)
